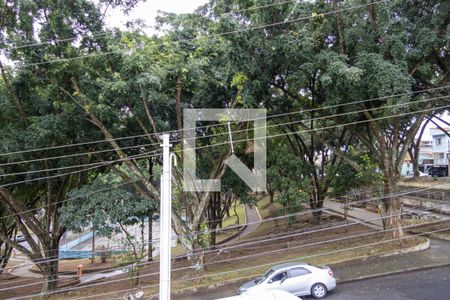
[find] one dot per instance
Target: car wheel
(319, 291)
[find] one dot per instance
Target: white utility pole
(165, 221)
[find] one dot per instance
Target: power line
(205, 136)
(391, 196)
(144, 155)
(272, 263)
(286, 134)
(75, 154)
(261, 253)
(96, 34)
(270, 239)
(207, 36)
(217, 144)
(52, 258)
(63, 201)
(64, 168)
(227, 272)
(71, 198)
(193, 128)
(258, 254)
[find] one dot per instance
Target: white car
(421, 174)
(300, 279)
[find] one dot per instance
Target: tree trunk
(214, 216)
(50, 271)
(317, 212)
(272, 196)
(213, 237)
(5, 254)
(93, 245)
(235, 212)
(340, 26)
(6, 249)
(150, 238)
(316, 202)
(391, 212)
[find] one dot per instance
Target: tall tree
(32, 34)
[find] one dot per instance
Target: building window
(441, 155)
(438, 141)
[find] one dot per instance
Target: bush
(104, 253)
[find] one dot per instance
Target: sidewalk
(437, 255)
(356, 214)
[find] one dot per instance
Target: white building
(440, 147)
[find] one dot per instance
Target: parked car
(300, 279)
(264, 295)
(421, 174)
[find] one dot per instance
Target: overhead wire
(52, 258)
(258, 254)
(211, 135)
(200, 127)
(226, 272)
(16, 214)
(242, 140)
(285, 134)
(106, 163)
(97, 34)
(208, 35)
(324, 209)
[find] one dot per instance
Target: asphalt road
(432, 284)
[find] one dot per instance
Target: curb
(434, 236)
(418, 248)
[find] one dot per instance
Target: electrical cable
(284, 236)
(243, 140)
(228, 272)
(212, 135)
(206, 126)
(314, 15)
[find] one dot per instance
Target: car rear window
(298, 272)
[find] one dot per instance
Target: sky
(148, 11)
(426, 135)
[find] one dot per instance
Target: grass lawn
(426, 182)
(441, 234)
(233, 220)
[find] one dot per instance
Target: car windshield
(264, 277)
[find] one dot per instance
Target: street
(427, 284)
(431, 284)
